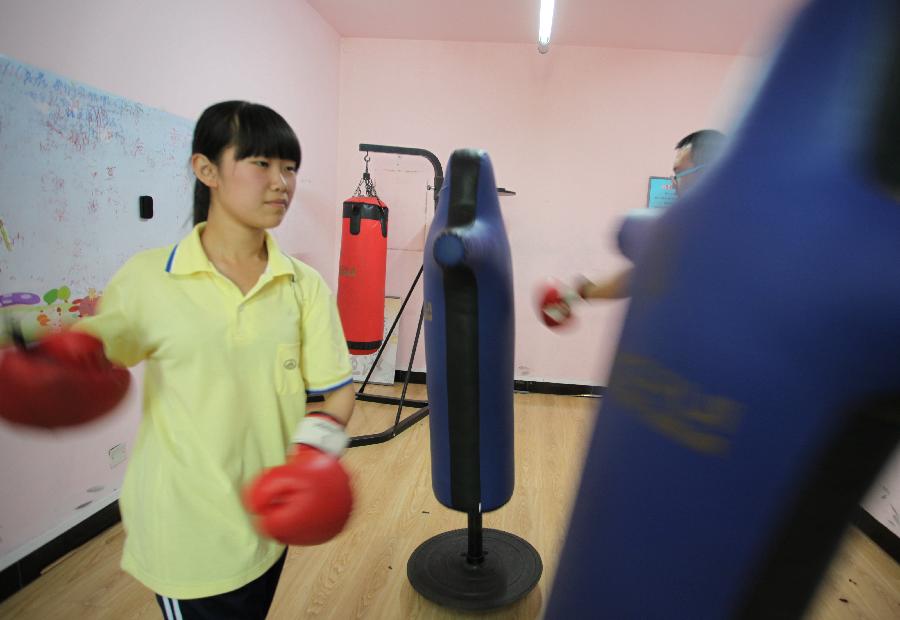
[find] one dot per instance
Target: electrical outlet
(117, 455)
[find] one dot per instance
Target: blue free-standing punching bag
(469, 345)
(470, 341)
(755, 392)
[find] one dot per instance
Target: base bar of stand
(368, 440)
(391, 400)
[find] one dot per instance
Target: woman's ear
(205, 171)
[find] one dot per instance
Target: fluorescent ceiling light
(546, 24)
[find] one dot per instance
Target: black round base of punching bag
(441, 570)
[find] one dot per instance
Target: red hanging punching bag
(363, 262)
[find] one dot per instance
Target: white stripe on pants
(172, 608)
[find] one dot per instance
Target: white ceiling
(706, 26)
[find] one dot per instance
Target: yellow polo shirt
(225, 384)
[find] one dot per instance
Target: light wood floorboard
(362, 573)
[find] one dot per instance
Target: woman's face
(255, 191)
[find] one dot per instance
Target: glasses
(679, 175)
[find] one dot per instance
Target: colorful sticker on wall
(52, 311)
(19, 299)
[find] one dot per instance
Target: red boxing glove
(308, 500)
(555, 304)
(64, 379)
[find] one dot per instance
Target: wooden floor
(362, 573)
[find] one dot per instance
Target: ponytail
(201, 202)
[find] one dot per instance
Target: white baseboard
(36, 543)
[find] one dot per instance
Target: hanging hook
(366, 180)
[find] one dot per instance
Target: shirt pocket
(287, 369)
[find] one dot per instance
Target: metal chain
(367, 180)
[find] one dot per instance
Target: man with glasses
(694, 153)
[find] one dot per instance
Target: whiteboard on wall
(73, 163)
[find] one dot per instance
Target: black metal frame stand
(399, 426)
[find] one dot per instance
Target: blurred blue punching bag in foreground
(755, 392)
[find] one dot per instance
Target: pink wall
(180, 57)
(883, 499)
(576, 133)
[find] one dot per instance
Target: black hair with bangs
(253, 129)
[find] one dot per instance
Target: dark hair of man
(705, 144)
(253, 129)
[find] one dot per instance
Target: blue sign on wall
(660, 192)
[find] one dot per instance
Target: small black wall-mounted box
(145, 206)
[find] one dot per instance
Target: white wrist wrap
(555, 314)
(322, 433)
